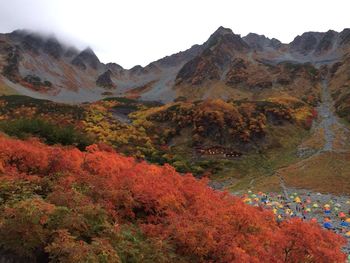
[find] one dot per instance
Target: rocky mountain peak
(114, 67)
(180, 57)
(86, 58)
(53, 47)
(105, 80)
(137, 69)
(88, 51)
(36, 42)
(223, 31)
(344, 36)
(31, 41)
(260, 42)
(306, 42)
(327, 41)
(217, 54)
(224, 37)
(310, 42)
(71, 52)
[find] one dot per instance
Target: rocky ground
(285, 206)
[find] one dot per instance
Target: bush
(175, 216)
(51, 133)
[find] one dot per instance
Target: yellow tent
(297, 199)
(246, 200)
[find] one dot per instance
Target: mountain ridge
(43, 67)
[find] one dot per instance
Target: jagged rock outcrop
(114, 67)
(305, 43)
(32, 42)
(225, 38)
(86, 58)
(71, 52)
(105, 81)
(320, 43)
(344, 37)
(137, 70)
(53, 48)
(327, 42)
(180, 57)
(260, 42)
(10, 69)
(218, 52)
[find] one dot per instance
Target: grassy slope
(251, 169)
(6, 90)
(326, 172)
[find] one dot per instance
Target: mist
(139, 32)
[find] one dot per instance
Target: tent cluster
(331, 213)
(218, 150)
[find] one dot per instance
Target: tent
(344, 224)
(328, 225)
(342, 215)
(297, 199)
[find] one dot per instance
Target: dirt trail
(328, 118)
(326, 121)
(329, 122)
(284, 188)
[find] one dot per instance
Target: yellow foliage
(302, 114)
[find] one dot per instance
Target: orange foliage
(23, 156)
(200, 223)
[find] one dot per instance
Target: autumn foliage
(63, 205)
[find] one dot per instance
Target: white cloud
(134, 32)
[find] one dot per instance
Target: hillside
(206, 138)
(115, 209)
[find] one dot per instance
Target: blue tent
(327, 225)
(344, 223)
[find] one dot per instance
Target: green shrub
(51, 133)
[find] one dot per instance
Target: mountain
(225, 66)
(42, 67)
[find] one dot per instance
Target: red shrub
(199, 222)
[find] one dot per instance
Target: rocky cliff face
(319, 44)
(104, 80)
(218, 52)
(86, 58)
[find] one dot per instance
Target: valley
(134, 151)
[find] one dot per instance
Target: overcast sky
(132, 32)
